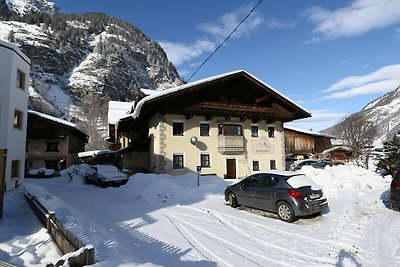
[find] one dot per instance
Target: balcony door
(230, 168)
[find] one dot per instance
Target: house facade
(52, 143)
(230, 125)
(14, 77)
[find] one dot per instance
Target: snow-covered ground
(160, 220)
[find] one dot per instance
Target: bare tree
(359, 134)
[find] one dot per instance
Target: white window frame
(258, 130)
(183, 162)
(273, 126)
(209, 128)
(178, 121)
(259, 165)
(209, 159)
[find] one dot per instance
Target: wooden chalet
(229, 125)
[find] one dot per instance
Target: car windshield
(297, 181)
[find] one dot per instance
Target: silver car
(288, 194)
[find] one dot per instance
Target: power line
(226, 39)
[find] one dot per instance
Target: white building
(14, 89)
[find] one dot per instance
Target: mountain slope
(79, 62)
(384, 112)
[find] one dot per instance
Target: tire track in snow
(242, 252)
(328, 244)
(317, 259)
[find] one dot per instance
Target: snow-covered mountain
(82, 60)
(384, 112)
(24, 7)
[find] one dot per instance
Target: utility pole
(3, 160)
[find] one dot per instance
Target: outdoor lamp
(193, 140)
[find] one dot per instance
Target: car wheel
(285, 211)
(395, 208)
(232, 200)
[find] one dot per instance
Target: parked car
(288, 194)
(106, 175)
(40, 173)
(297, 165)
(394, 197)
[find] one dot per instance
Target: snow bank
(336, 178)
(175, 189)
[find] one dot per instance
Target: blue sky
(330, 57)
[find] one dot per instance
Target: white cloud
(360, 17)
(228, 22)
(274, 23)
(382, 80)
(178, 53)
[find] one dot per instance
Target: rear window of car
(106, 168)
(297, 181)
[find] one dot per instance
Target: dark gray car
(286, 193)
(395, 192)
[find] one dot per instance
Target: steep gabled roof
(308, 132)
(189, 86)
(60, 122)
(241, 83)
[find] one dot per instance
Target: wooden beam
(243, 119)
(262, 99)
(189, 116)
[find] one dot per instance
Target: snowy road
(169, 221)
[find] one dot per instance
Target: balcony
(231, 144)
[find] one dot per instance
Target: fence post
(50, 217)
(89, 255)
(3, 160)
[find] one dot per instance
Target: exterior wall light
(193, 140)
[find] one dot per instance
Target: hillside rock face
(384, 112)
(77, 57)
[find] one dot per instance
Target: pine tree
(11, 36)
(391, 159)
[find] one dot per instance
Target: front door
(230, 169)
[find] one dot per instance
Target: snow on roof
(94, 153)
(57, 120)
(345, 148)
(148, 91)
(117, 110)
(308, 132)
(158, 94)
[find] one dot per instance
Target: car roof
(282, 173)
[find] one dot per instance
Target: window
(205, 160)
(20, 79)
(204, 129)
(254, 131)
(271, 131)
(15, 168)
(52, 147)
(177, 128)
(230, 129)
(177, 161)
(18, 116)
(268, 180)
(256, 165)
(252, 180)
(272, 165)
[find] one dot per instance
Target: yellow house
(230, 125)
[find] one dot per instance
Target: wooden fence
(64, 239)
